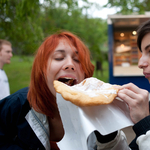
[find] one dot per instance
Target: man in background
(5, 56)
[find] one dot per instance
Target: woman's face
(144, 62)
(64, 65)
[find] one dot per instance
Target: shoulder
(15, 106)
(2, 73)
(16, 100)
(22, 93)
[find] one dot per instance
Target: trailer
(123, 51)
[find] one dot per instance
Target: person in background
(5, 56)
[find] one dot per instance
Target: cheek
(50, 79)
(81, 74)
(52, 71)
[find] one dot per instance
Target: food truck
(123, 51)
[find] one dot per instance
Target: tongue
(69, 82)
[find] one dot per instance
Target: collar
(39, 124)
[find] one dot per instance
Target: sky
(102, 12)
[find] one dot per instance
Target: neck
(56, 127)
(1, 65)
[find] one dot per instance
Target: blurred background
(27, 23)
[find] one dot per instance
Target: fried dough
(89, 92)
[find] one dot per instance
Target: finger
(125, 97)
(131, 87)
(133, 98)
(117, 87)
(126, 93)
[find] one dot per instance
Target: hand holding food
(137, 100)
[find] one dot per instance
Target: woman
(29, 118)
(60, 57)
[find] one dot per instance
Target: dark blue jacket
(15, 132)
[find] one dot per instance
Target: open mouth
(68, 81)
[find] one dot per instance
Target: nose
(69, 64)
(142, 62)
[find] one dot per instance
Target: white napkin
(79, 122)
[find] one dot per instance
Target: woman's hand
(137, 100)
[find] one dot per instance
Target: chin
(59, 137)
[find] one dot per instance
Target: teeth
(67, 78)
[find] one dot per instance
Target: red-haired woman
(29, 118)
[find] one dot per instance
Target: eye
(58, 59)
(77, 60)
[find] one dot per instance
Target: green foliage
(129, 6)
(93, 31)
(19, 24)
(26, 23)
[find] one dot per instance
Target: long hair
(39, 95)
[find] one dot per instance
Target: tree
(129, 6)
(19, 24)
(93, 31)
(26, 23)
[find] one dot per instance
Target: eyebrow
(147, 46)
(60, 50)
(63, 51)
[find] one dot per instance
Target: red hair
(39, 95)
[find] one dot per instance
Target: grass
(19, 71)
(102, 75)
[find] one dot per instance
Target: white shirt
(4, 85)
(143, 141)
